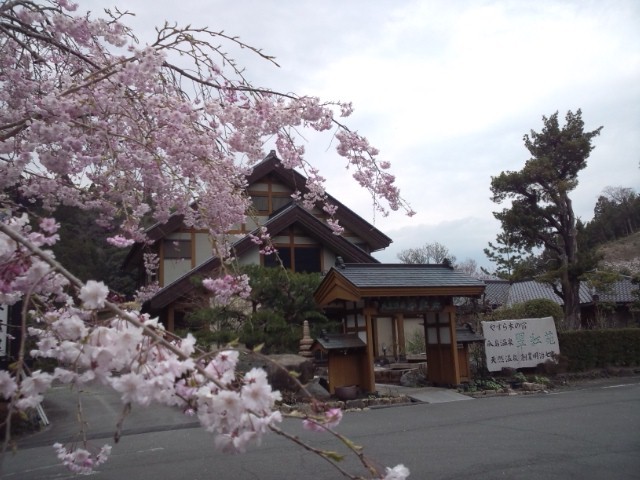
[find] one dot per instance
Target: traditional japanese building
(303, 240)
(381, 302)
(376, 303)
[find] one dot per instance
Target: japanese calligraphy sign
(519, 343)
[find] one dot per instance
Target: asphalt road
(587, 433)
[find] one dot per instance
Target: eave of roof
(292, 214)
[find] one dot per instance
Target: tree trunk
(571, 292)
(569, 279)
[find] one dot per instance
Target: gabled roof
(292, 214)
(296, 181)
(271, 165)
(356, 281)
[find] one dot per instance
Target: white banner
(519, 343)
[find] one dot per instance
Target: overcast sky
(446, 90)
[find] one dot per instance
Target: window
(260, 203)
(278, 202)
(307, 259)
(266, 203)
(284, 256)
(176, 249)
(304, 259)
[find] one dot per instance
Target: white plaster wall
(174, 269)
(252, 257)
(203, 248)
(328, 259)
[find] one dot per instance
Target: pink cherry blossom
(329, 420)
(120, 241)
(399, 472)
(137, 132)
(8, 384)
(93, 294)
(80, 460)
(228, 286)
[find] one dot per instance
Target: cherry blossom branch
(83, 125)
(114, 308)
(19, 372)
(331, 457)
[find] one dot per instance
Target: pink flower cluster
(125, 357)
(93, 294)
(329, 420)
(20, 272)
(120, 241)
(226, 287)
(89, 118)
(80, 460)
(240, 416)
(263, 239)
(129, 353)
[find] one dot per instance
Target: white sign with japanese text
(519, 343)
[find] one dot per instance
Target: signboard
(519, 343)
(409, 304)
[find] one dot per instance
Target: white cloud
(446, 90)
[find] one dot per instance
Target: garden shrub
(538, 308)
(589, 349)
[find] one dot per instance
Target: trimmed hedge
(538, 308)
(589, 349)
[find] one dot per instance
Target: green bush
(272, 316)
(415, 343)
(589, 349)
(538, 308)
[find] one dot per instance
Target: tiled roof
(621, 292)
(497, 291)
(505, 293)
(355, 281)
(336, 341)
(392, 275)
(521, 292)
(466, 334)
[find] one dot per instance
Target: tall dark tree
(83, 247)
(616, 215)
(541, 212)
(279, 303)
(505, 255)
(628, 204)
